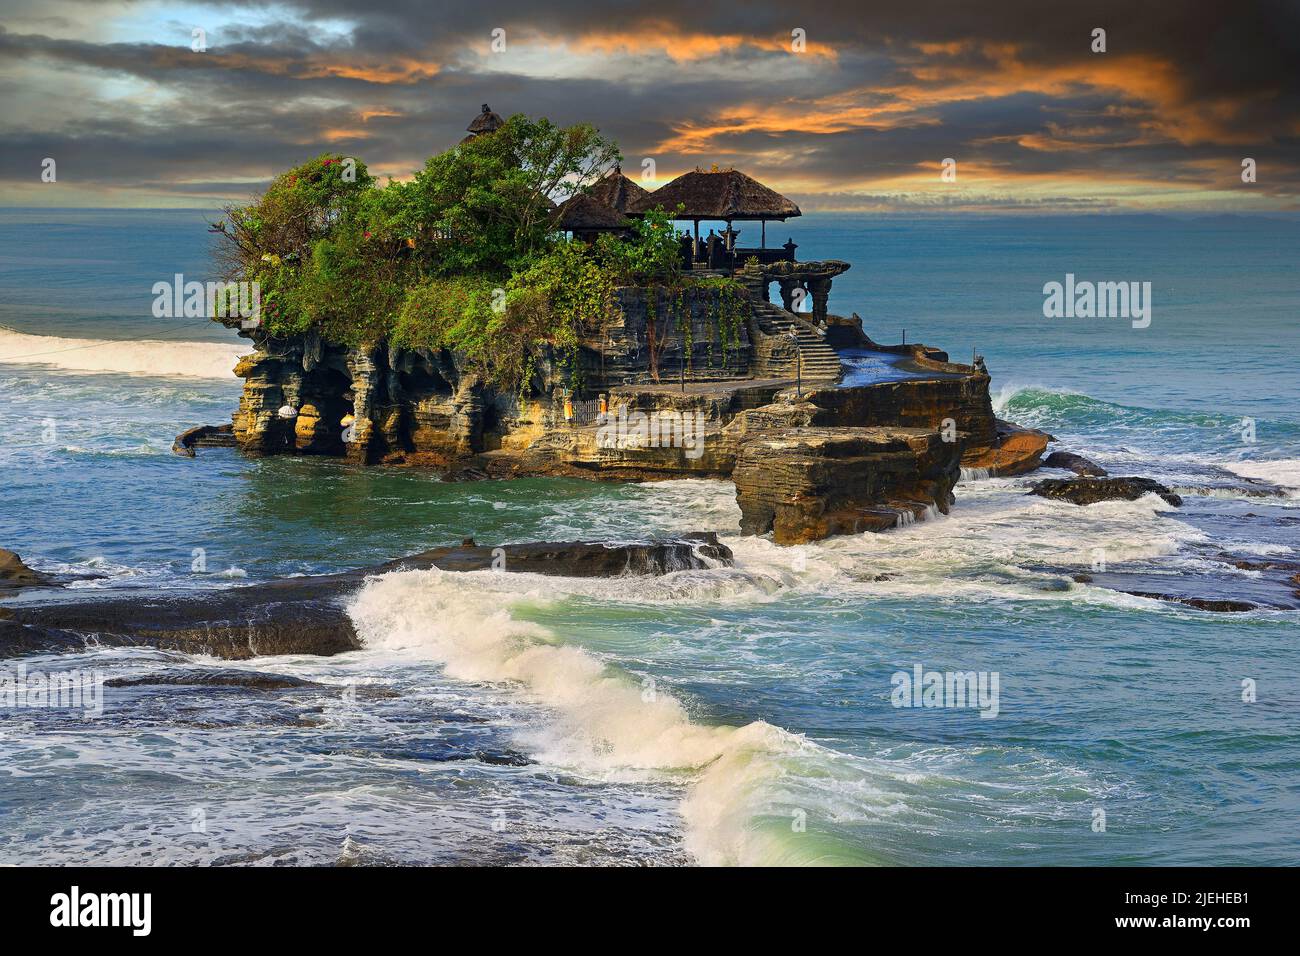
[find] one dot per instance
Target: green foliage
(492, 194)
(464, 257)
(652, 255)
(729, 315)
(499, 328)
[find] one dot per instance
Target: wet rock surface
(1204, 574)
(574, 559)
(308, 615)
(203, 436)
(1087, 491)
(1068, 461)
(248, 680)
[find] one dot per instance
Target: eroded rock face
(920, 403)
(14, 574)
(1087, 491)
(1013, 451)
(805, 484)
(870, 453)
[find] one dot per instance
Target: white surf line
(599, 720)
(136, 355)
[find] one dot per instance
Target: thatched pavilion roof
(585, 213)
(616, 191)
(485, 122)
(721, 194)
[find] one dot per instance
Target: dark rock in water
(249, 680)
(1075, 463)
(1203, 604)
(575, 559)
(14, 574)
(1087, 491)
(292, 616)
(203, 436)
(308, 615)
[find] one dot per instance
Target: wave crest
(124, 356)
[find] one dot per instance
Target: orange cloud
(684, 46)
(984, 71)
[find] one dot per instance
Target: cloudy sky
(861, 118)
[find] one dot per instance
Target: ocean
(738, 715)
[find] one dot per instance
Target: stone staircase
(818, 361)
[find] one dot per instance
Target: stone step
(817, 360)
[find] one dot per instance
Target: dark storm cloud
(884, 92)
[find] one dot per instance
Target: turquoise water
(725, 716)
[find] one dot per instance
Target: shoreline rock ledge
(308, 615)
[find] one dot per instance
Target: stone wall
(623, 356)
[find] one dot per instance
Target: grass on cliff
(464, 257)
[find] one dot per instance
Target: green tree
(494, 194)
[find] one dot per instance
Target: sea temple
(735, 368)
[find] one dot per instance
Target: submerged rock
(1069, 461)
(1087, 491)
(1201, 604)
(249, 680)
(576, 559)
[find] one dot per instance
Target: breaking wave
(1284, 473)
(125, 356)
(599, 719)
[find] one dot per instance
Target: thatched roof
(584, 213)
(723, 194)
(616, 191)
(485, 122)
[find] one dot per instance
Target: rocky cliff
(674, 384)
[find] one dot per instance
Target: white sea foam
(1284, 472)
(600, 720)
(744, 782)
(132, 357)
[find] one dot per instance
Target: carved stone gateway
(813, 278)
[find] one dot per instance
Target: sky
(838, 105)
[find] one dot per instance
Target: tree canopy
(464, 256)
